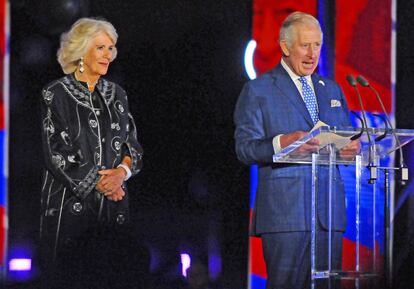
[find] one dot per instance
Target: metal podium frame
(370, 156)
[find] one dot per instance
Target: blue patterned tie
(310, 99)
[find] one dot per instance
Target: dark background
(404, 219)
(181, 63)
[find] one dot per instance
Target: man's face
(268, 15)
(302, 56)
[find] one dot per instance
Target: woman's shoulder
(52, 90)
(111, 90)
(106, 83)
(61, 88)
(57, 84)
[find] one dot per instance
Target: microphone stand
(371, 165)
(388, 226)
(403, 168)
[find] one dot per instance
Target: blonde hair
(74, 43)
(294, 19)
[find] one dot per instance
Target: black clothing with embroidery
(83, 133)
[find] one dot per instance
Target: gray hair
(75, 42)
(294, 19)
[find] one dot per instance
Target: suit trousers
(288, 258)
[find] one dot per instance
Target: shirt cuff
(127, 170)
(276, 143)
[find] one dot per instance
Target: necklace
(91, 85)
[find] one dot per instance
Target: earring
(81, 67)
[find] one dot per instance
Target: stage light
(248, 59)
(185, 263)
(20, 264)
(214, 265)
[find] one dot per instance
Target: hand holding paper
(310, 146)
(331, 138)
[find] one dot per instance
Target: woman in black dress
(89, 141)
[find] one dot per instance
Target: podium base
(349, 275)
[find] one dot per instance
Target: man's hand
(310, 146)
(350, 150)
(111, 181)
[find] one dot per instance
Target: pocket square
(335, 103)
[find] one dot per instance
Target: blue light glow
(20, 264)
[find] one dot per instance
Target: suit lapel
(285, 84)
(321, 96)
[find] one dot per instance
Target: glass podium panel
(327, 207)
(380, 148)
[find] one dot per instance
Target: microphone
(351, 80)
(404, 170)
(372, 168)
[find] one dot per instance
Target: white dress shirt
(295, 78)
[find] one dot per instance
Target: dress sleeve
(134, 149)
(62, 157)
(131, 146)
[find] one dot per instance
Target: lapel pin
(335, 103)
(321, 82)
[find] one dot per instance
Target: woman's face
(98, 55)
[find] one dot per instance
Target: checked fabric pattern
(310, 99)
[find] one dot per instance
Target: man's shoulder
(266, 78)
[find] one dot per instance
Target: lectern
(372, 170)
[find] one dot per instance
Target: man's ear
(284, 47)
